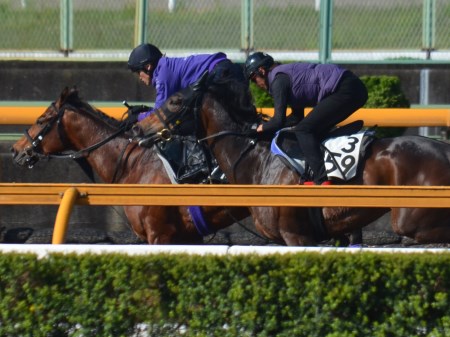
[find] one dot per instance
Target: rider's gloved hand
(137, 109)
(131, 115)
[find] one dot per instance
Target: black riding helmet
(142, 55)
(256, 60)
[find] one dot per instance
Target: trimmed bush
(304, 294)
(384, 92)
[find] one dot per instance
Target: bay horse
(225, 117)
(70, 124)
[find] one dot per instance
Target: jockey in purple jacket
(333, 92)
(169, 75)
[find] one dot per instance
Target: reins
(250, 145)
(86, 151)
(35, 142)
(223, 133)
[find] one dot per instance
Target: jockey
(333, 92)
(169, 75)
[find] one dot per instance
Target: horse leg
(350, 220)
(295, 232)
(281, 225)
(152, 224)
(356, 237)
(425, 225)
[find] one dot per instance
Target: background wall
(111, 81)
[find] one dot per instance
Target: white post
(424, 95)
(317, 5)
(171, 5)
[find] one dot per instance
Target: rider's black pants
(350, 95)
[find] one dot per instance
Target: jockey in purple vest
(169, 75)
(333, 92)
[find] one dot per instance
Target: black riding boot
(313, 155)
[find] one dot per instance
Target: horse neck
(83, 132)
(238, 158)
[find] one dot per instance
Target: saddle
(186, 160)
(189, 162)
(342, 149)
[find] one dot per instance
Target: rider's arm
(280, 88)
(163, 92)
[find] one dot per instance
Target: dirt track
(238, 234)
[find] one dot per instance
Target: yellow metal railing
(407, 117)
(67, 195)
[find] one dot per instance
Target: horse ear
(63, 96)
(74, 90)
(73, 95)
(65, 92)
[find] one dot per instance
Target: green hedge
(304, 294)
(384, 92)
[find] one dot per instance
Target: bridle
(34, 152)
(37, 140)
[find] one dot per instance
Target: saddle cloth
(341, 154)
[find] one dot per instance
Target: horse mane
(236, 98)
(73, 99)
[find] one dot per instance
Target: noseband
(33, 153)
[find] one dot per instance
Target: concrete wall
(111, 81)
(43, 81)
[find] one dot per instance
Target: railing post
(140, 22)
(326, 20)
(247, 26)
(63, 215)
(429, 26)
(66, 26)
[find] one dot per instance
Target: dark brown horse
(225, 116)
(70, 124)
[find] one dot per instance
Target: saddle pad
(341, 155)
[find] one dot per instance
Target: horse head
(162, 122)
(175, 116)
(42, 138)
(49, 134)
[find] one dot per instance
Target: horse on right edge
(224, 118)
